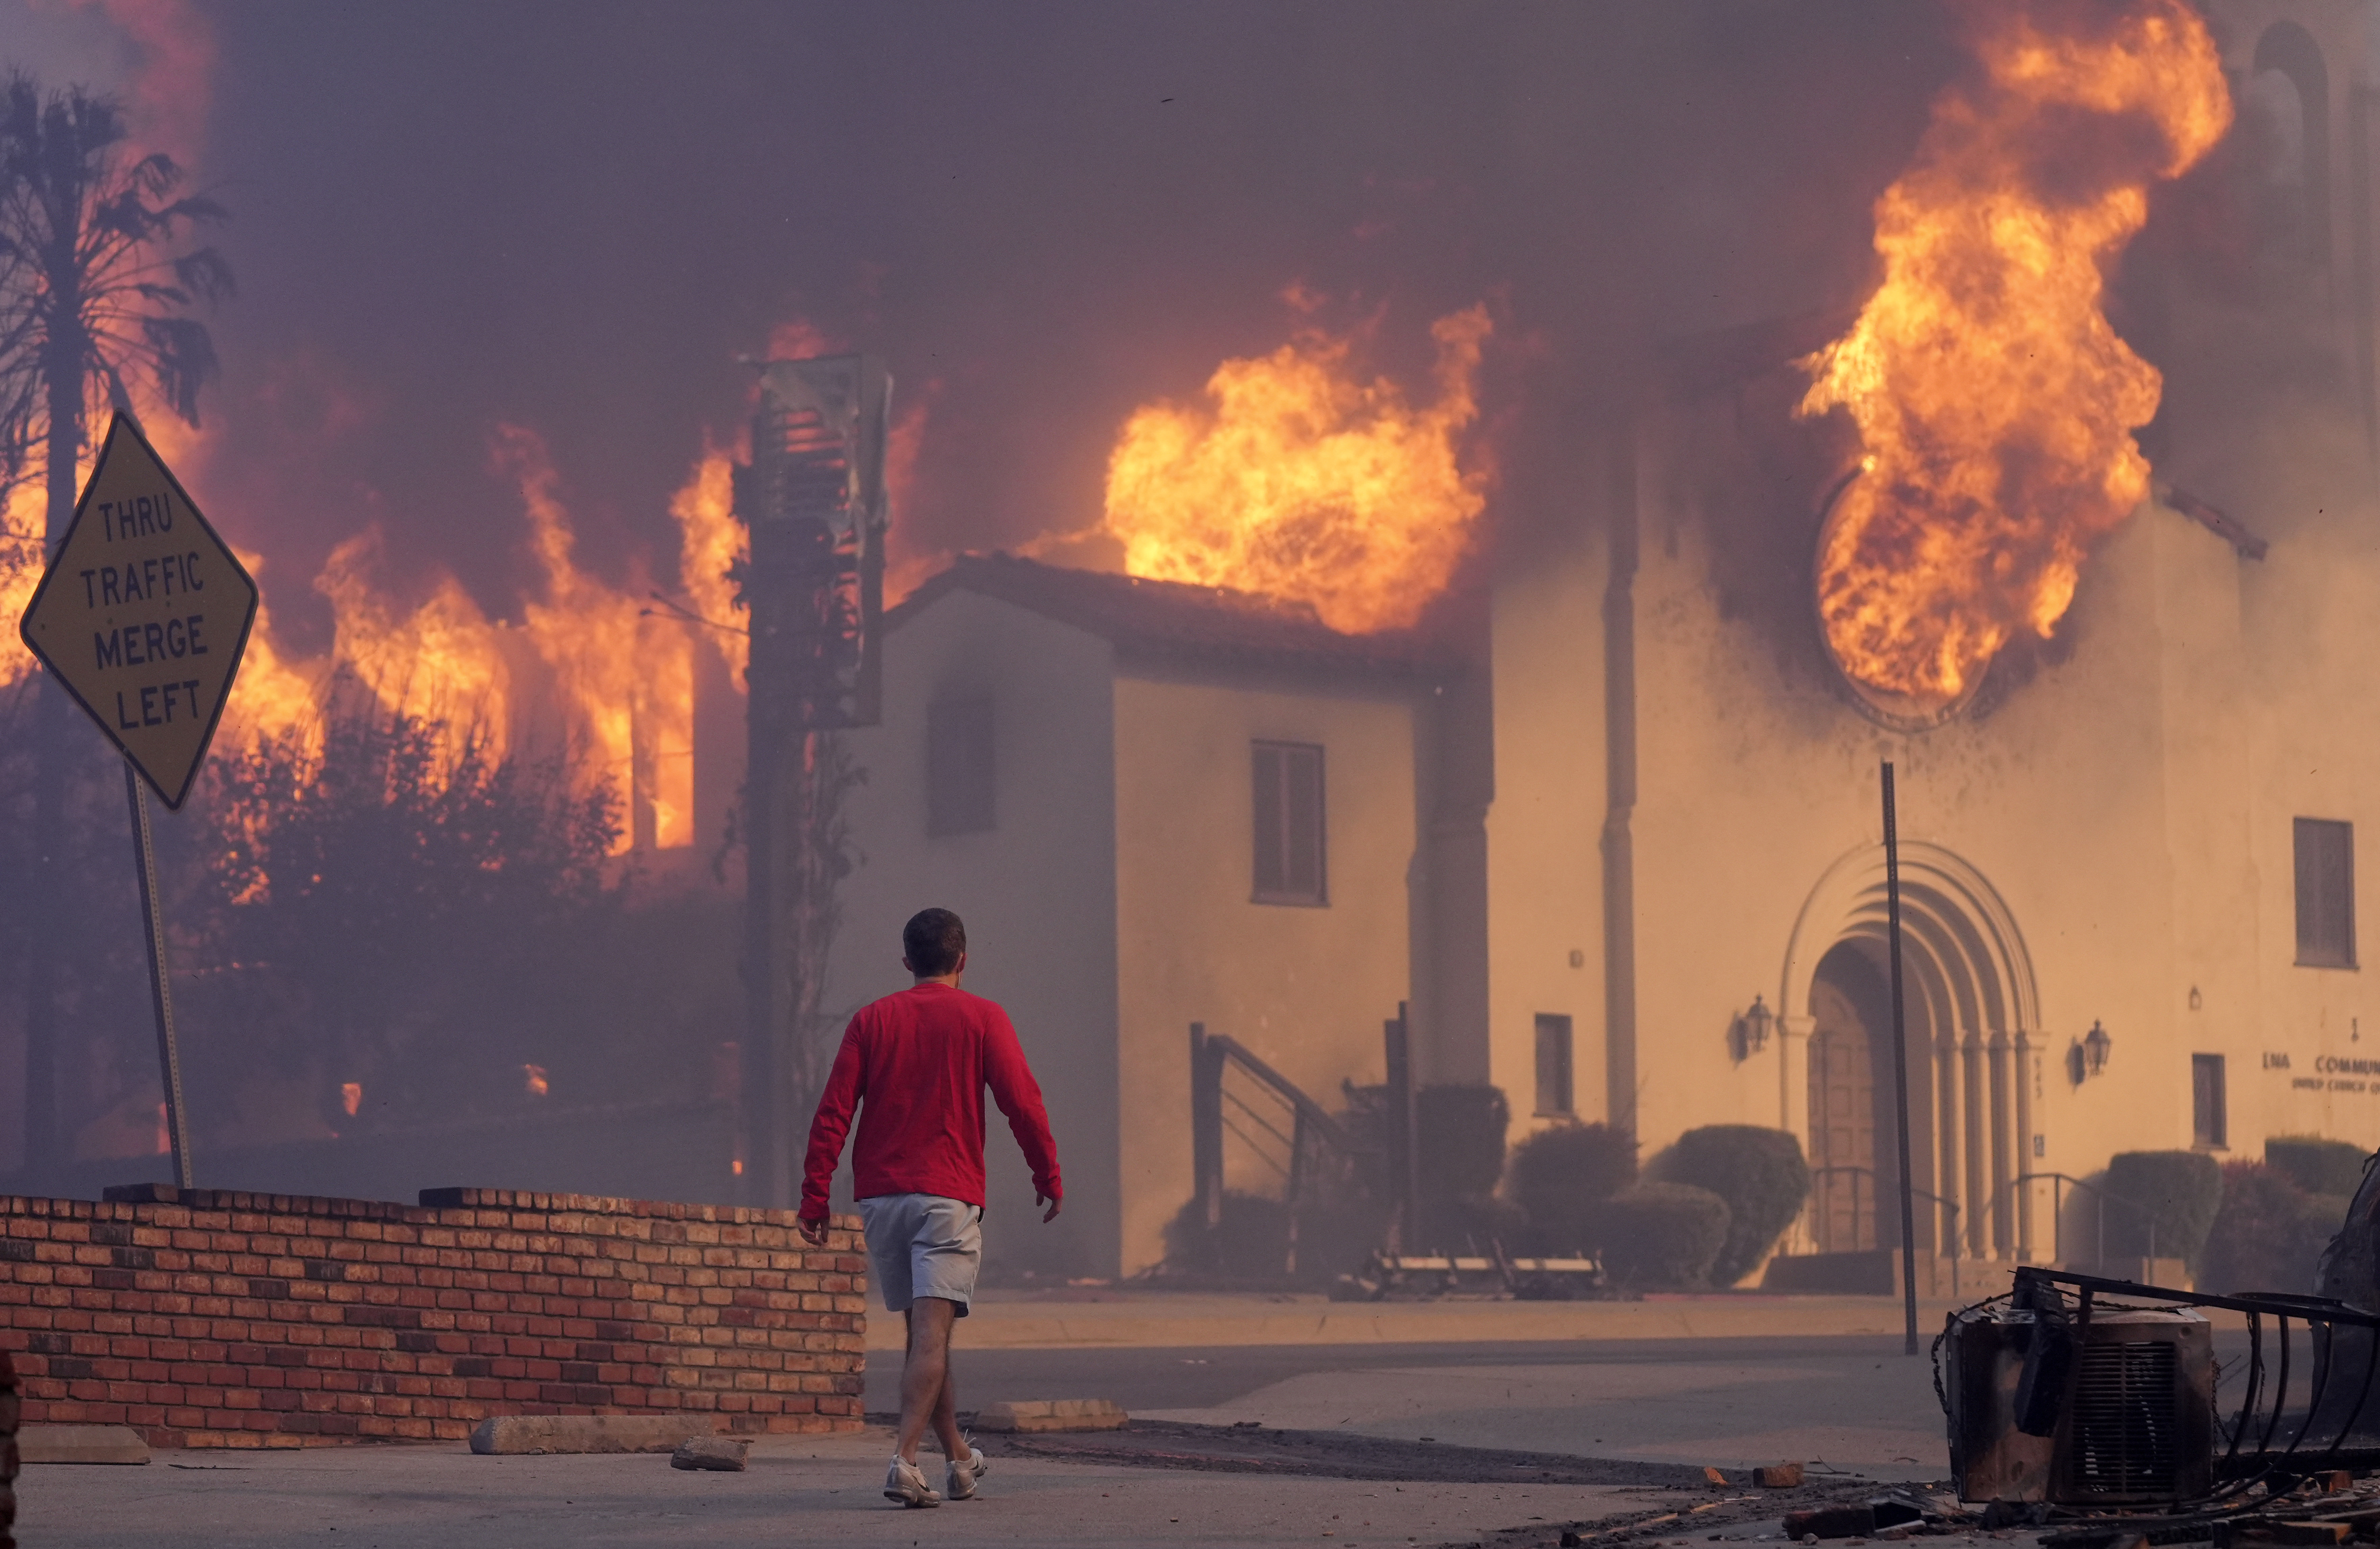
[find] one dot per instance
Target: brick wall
(207, 1318)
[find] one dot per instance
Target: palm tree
(92, 291)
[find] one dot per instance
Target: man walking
(916, 1065)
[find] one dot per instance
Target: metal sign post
(142, 616)
(161, 984)
(1900, 1070)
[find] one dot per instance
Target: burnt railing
(1819, 1209)
(2059, 1183)
(1313, 1142)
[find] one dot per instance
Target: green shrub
(2317, 1165)
(1561, 1176)
(2268, 1233)
(1663, 1236)
(1460, 1139)
(2162, 1203)
(1761, 1175)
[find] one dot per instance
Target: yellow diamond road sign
(143, 613)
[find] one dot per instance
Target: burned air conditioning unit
(2079, 1405)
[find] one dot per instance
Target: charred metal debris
(2098, 1408)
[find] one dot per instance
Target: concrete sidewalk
(1130, 1316)
(798, 1489)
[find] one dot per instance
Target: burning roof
(1149, 619)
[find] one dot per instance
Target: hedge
(1560, 1178)
(2268, 1233)
(1460, 1133)
(1663, 1236)
(2177, 1193)
(2317, 1165)
(1759, 1172)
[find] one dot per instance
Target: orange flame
(1994, 402)
(629, 676)
(21, 572)
(1305, 482)
(443, 660)
(710, 541)
(624, 704)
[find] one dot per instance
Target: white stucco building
(1082, 765)
(1638, 797)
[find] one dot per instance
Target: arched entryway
(1974, 1025)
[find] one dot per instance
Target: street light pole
(1900, 1070)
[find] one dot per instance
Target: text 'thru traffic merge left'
(143, 613)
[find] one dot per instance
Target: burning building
(1545, 694)
(2096, 610)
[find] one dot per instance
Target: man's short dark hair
(933, 941)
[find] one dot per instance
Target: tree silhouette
(92, 291)
(421, 912)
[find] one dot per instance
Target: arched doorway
(1973, 1029)
(1849, 1009)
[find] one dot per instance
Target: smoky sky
(572, 217)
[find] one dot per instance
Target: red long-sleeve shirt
(920, 1060)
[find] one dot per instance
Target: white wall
(1037, 892)
(1305, 988)
(2131, 804)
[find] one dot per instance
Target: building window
(1289, 823)
(1553, 1066)
(2325, 867)
(2209, 1125)
(959, 783)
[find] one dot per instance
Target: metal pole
(1900, 1070)
(1404, 1160)
(161, 989)
(1206, 1127)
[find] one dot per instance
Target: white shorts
(923, 1245)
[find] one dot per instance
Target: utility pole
(812, 501)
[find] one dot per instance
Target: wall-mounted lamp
(1750, 1030)
(2087, 1056)
(2095, 1044)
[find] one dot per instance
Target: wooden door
(1842, 1121)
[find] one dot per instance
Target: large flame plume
(1995, 403)
(711, 543)
(1305, 481)
(590, 671)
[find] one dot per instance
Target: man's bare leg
(928, 1394)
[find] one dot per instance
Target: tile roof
(1172, 620)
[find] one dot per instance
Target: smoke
(173, 50)
(573, 218)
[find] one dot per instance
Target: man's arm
(846, 1084)
(1019, 1097)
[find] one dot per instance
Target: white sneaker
(959, 1480)
(906, 1483)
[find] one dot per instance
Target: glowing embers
(1994, 402)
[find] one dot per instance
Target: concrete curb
(1052, 1414)
(80, 1444)
(517, 1435)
